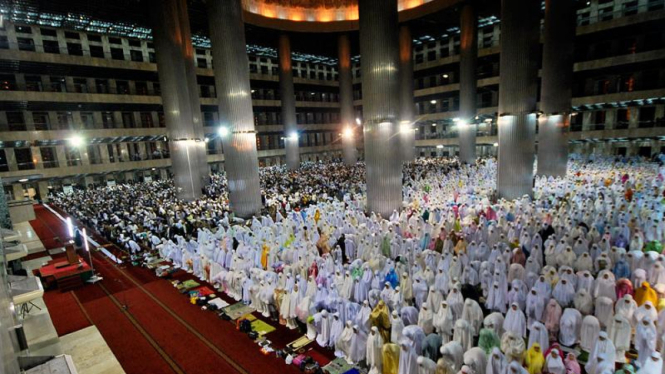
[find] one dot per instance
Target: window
(102, 86)
(58, 84)
(208, 119)
(647, 116)
(94, 38)
(151, 57)
(15, 121)
(72, 35)
(146, 119)
(202, 63)
(33, 83)
(141, 88)
(115, 41)
(107, 120)
(7, 82)
(156, 89)
(80, 85)
(4, 42)
(51, 46)
(23, 29)
(26, 44)
(48, 32)
(49, 159)
(65, 120)
(122, 87)
(117, 54)
(128, 120)
(136, 56)
(201, 52)
(94, 155)
(24, 158)
(134, 43)
(73, 156)
(88, 120)
(74, 49)
(3, 161)
(41, 121)
(96, 51)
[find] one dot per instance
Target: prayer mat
(318, 357)
(299, 343)
(261, 327)
(190, 284)
(237, 310)
(204, 291)
(337, 366)
(219, 303)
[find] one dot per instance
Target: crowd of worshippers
(570, 281)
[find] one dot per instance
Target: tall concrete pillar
(227, 34)
(556, 87)
(407, 134)
(348, 124)
(193, 89)
(468, 61)
(176, 99)
(380, 79)
(518, 86)
(288, 103)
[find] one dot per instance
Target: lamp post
(95, 278)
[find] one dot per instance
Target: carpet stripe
(85, 312)
(174, 366)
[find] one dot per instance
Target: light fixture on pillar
(495, 144)
(348, 133)
(206, 139)
(293, 135)
(76, 141)
(405, 127)
(95, 278)
(223, 131)
(70, 228)
(440, 146)
(358, 122)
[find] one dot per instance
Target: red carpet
(151, 328)
(66, 313)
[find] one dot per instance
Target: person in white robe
(425, 320)
(358, 346)
(396, 327)
(408, 359)
(626, 307)
(570, 325)
(515, 321)
(463, 334)
(444, 323)
(476, 359)
(452, 353)
(538, 334)
(343, 344)
(645, 340)
(373, 355)
(324, 325)
(474, 314)
(604, 348)
(496, 362)
(335, 332)
(583, 302)
(494, 321)
(554, 363)
(620, 332)
(653, 365)
(425, 365)
(604, 310)
(515, 368)
(589, 332)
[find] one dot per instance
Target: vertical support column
(348, 122)
(176, 100)
(380, 74)
(227, 34)
(407, 137)
(288, 103)
(556, 87)
(518, 85)
(468, 61)
(195, 100)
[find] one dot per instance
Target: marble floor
(87, 347)
(90, 352)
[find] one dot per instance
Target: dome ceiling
(338, 14)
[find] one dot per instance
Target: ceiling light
(223, 131)
(76, 141)
(496, 144)
(23, 180)
(433, 102)
(348, 133)
(445, 75)
(440, 146)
